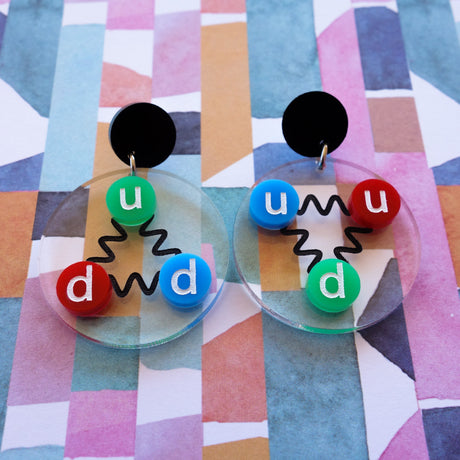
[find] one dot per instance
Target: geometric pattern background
(240, 384)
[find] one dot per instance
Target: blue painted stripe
(314, 398)
(72, 127)
(21, 175)
(430, 39)
(382, 51)
(49, 452)
(283, 57)
(100, 368)
(29, 49)
(10, 309)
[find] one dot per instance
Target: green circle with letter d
(333, 285)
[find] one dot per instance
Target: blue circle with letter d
(185, 281)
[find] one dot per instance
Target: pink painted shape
(130, 15)
(121, 86)
(223, 6)
(341, 75)
(177, 54)
(101, 424)
(431, 308)
(208, 255)
(43, 360)
(409, 441)
(179, 438)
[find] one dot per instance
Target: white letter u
(137, 200)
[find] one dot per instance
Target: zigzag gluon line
(102, 241)
(297, 249)
(140, 281)
(357, 245)
(324, 212)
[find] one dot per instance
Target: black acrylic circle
(145, 129)
(312, 119)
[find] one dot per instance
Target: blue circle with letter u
(273, 204)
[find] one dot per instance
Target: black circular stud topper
(146, 131)
(312, 120)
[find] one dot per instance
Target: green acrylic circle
(136, 215)
(341, 299)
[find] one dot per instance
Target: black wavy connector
(123, 236)
(297, 249)
(357, 245)
(140, 281)
(324, 212)
(156, 251)
(103, 244)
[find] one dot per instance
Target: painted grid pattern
(240, 384)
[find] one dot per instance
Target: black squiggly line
(324, 212)
(297, 249)
(156, 251)
(349, 234)
(102, 243)
(140, 281)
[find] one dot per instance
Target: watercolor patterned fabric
(240, 384)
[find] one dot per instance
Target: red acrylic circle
(374, 212)
(91, 288)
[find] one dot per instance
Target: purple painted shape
(129, 15)
(431, 308)
(45, 347)
(101, 424)
(177, 54)
(342, 76)
(409, 441)
(207, 254)
(174, 438)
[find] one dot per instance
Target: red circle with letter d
(84, 288)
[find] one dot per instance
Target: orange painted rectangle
(395, 125)
(279, 266)
(18, 212)
(449, 197)
(226, 135)
(245, 448)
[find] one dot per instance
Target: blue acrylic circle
(273, 204)
(185, 280)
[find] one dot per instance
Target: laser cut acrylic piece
(274, 264)
(138, 315)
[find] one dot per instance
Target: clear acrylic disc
(275, 276)
(192, 224)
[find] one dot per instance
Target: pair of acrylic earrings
(350, 282)
(140, 134)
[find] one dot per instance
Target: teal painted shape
(314, 397)
(431, 43)
(72, 127)
(34, 453)
(11, 309)
(29, 50)
(227, 201)
(184, 351)
(187, 167)
(101, 368)
(283, 57)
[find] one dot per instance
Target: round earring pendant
(139, 312)
(284, 269)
